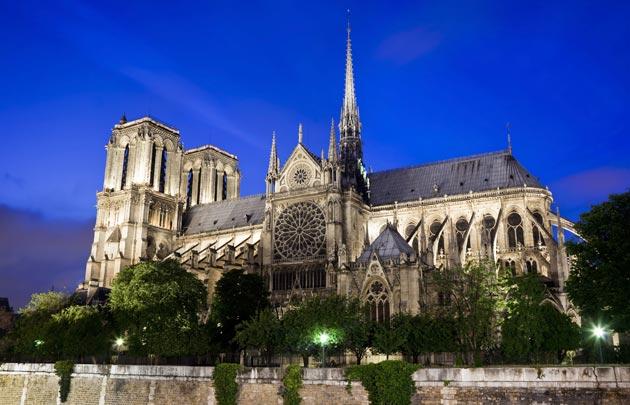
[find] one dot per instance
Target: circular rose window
(300, 231)
(300, 176)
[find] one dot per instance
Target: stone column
(212, 178)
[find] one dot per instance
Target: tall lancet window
(538, 238)
(163, 170)
(377, 301)
(153, 153)
(189, 188)
(123, 181)
(225, 186)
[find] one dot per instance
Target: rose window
(300, 231)
(300, 176)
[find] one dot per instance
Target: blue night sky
(435, 80)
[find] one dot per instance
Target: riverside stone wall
(100, 385)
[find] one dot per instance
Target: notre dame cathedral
(324, 225)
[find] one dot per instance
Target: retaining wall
(100, 385)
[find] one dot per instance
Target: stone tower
(139, 209)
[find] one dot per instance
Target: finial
(348, 21)
(300, 133)
(123, 119)
(273, 156)
(508, 128)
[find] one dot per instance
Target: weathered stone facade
(324, 225)
(102, 385)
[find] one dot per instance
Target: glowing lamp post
(599, 333)
(323, 338)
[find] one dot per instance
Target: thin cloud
(406, 46)
(592, 186)
(37, 253)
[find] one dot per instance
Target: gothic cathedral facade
(324, 225)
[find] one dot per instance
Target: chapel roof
(224, 214)
(474, 173)
(388, 245)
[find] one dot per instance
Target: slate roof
(388, 245)
(455, 176)
(225, 214)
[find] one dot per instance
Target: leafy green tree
(534, 329)
(157, 305)
(262, 333)
(33, 334)
(335, 315)
(388, 339)
(81, 331)
(474, 300)
(238, 297)
(357, 331)
(600, 273)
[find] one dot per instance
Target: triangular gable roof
(388, 245)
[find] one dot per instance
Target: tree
(157, 305)
(534, 329)
(357, 330)
(81, 331)
(238, 297)
(388, 339)
(337, 316)
(33, 334)
(600, 273)
(262, 333)
(474, 299)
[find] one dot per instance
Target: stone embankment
(22, 384)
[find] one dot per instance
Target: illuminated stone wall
(101, 385)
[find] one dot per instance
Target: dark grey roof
(224, 215)
(455, 176)
(388, 245)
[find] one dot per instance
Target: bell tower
(138, 210)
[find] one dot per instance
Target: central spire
(349, 123)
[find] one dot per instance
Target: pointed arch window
(123, 181)
(377, 301)
(434, 229)
(515, 231)
(153, 156)
(410, 233)
(536, 230)
(461, 227)
(510, 265)
(532, 266)
(163, 167)
(487, 233)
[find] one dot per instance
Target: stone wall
(100, 385)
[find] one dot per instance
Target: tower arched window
(515, 230)
(189, 188)
(153, 156)
(461, 227)
(163, 167)
(123, 181)
(377, 301)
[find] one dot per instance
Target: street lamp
(323, 338)
(599, 333)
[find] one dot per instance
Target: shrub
(387, 383)
(292, 382)
(225, 385)
(63, 369)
